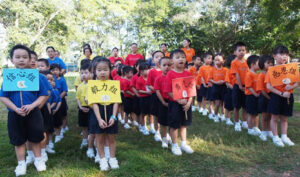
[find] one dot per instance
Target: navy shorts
(128, 105)
(280, 106)
(83, 118)
(136, 105)
(94, 127)
(176, 115)
(154, 105)
(252, 104)
(262, 103)
(203, 91)
(48, 119)
(145, 103)
(122, 98)
(28, 128)
(199, 96)
(209, 94)
(162, 114)
(218, 92)
(228, 100)
(64, 107)
(238, 97)
(57, 119)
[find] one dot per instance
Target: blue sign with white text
(20, 80)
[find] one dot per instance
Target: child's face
(255, 66)
(281, 58)
(218, 60)
(51, 53)
(179, 60)
(102, 71)
(51, 80)
(197, 62)
(87, 52)
(267, 64)
(165, 66)
(55, 72)
(21, 59)
(84, 74)
(56, 54)
(41, 66)
(157, 56)
(33, 63)
(163, 48)
(240, 52)
(144, 73)
(115, 52)
(134, 48)
(208, 60)
(185, 43)
(129, 75)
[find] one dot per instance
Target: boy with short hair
(43, 64)
(196, 60)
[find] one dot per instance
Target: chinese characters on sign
(284, 74)
(20, 80)
(104, 92)
(184, 87)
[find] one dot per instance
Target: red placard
(183, 87)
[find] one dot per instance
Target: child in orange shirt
(189, 52)
(217, 77)
(252, 95)
(194, 72)
(239, 69)
(281, 100)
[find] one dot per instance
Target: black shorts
(64, 107)
(145, 103)
(252, 105)
(228, 100)
(154, 105)
(176, 115)
(263, 103)
(199, 96)
(83, 118)
(128, 105)
(28, 128)
(238, 97)
(209, 94)
(203, 91)
(218, 92)
(57, 119)
(94, 127)
(48, 119)
(136, 105)
(122, 98)
(162, 114)
(280, 106)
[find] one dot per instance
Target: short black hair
(239, 44)
(115, 48)
(143, 66)
(88, 49)
(33, 53)
(84, 66)
(187, 39)
(86, 45)
(50, 47)
(85, 61)
(55, 65)
(99, 59)
(252, 60)
(120, 69)
(220, 54)
(190, 64)
(263, 59)
(229, 59)
(44, 60)
(195, 57)
(134, 44)
(205, 55)
(127, 69)
(157, 51)
(19, 46)
(281, 49)
(163, 44)
(176, 51)
(163, 58)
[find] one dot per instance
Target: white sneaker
(57, 139)
(21, 169)
(251, 132)
(237, 127)
(135, 123)
(204, 112)
(200, 110)
(113, 163)
(29, 159)
(211, 116)
(277, 141)
(152, 130)
(157, 137)
(66, 128)
(103, 164)
(84, 143)
(228, 122)
(169, 139)
(186, 148)
(164, 143)
(176, 150)
(216, 119)
(257, 131)
(223, 119)
(106, 152)
(44, 157)
(39, 164)
(97, 158)
(119, 117)
(51, 145)
(245, 125)
(270, 134)
(90, 153)
(263, 136)
(127, 126)
(145, 132)
(193, 108)
(49, 150)
(141, 128)
(286, 140)
(122, 121)
(129, 121)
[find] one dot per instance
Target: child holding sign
(25, 122)
(99, 126)
(281, 99)
(179, 112)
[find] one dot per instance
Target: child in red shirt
(121, 106)
(133, 57)
(194, 72)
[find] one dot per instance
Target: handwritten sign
(104, 92)
(21, 80)
(184, 87)
(284, 74)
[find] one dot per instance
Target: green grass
(219, 151)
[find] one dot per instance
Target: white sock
(263, 132)
(244, 122)
(164, 139)
(183, 142)
(30, 153)
(21, 162)
(174, 144)
(270, 132)
(90, 149)
(43, 151)
(152, 126)
(276, 136)
(283, 135)
(38, 158)
(50, 142)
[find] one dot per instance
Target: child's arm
(7, 102)
(129, 93)
(135, 91)
(45, 101)
(229, 85)
(57, 107)
(203, 82)
(238, 79)
(52, 105)
(113, 118)
(145, 92)
(80, 106)
(291, 87)
(252, 91)
(264, 93)
(101, 122)
(274, 90)
(28, 108)
(151, 88)
(220, 82)
(49, 108)
(63, 94)
(161, 99)
(187, 106)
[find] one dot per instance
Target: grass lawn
(219, 151)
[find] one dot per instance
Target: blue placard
(20, 80)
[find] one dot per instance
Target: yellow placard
(104, 92)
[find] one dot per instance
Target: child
(121, 106)
(189, 52)
(239, 69)
(43, 64)
(202, 79)
(78, 78)
(34, 58)
(217, 77)
(84, 110)
(61, 86)
(177, 118)
(152, 75)
(145, 96)
(230, 80)
(25, 122)
(193, 70)
(114, 71)
(104, 130)
(252, 95)
(264, 63)
(281, 100)
(159, 85)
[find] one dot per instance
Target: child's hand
(102, 124)
(20, 112)
(242, 88)
(286, 94)
(84, 109)
(186, 107)
(165, 104)
(198, 87)
(111, 122)
(288, 87)
(182, 101)
(55, 111)
(27, 108)
(205, 85)
(256, 95)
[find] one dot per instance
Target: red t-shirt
(113, 59)
(122, 80)
(160, 84)
(132, 58)
(152, 75)
(133, 80)
(173, 75)
(113, 73)
(125, 84)
(117, 77)
(141, 85)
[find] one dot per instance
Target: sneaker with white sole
(169, 139)
(127, 126)
(229, 122)
(135, 123)
(251, 132)
(286, 140)
(49, 150)
(270, 134)
(84, 143)
(152, 130)
(90, 153)
(141, 128)
(257, 131)
(44, 157)
(164, 143)
(176, 150)
(113, 163)
(103, 164)
(210, 116)
(122, 121)
(129, 121)
(51, 144)
(39, 164)
(200, 110)
(157, 137)
(29, 159)
(216, 119)
(204, 112)
(21, 169)
(193, 108)
(187, 149)
(237, 127)
(106, 152)
(245, 125)
(277, 141)
(58, 139)
(223, 119)
(145, 132)
(97, 158)
(263, 136)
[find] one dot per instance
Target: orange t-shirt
(167, 54)
(241, 68)
(229, 78)
(251, 81)
(189, 53)
(193, 71)
(217, 74)
(261, 85)
(204, 72)
(281, 88)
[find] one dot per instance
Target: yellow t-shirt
(82, 93)
(77, 81)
